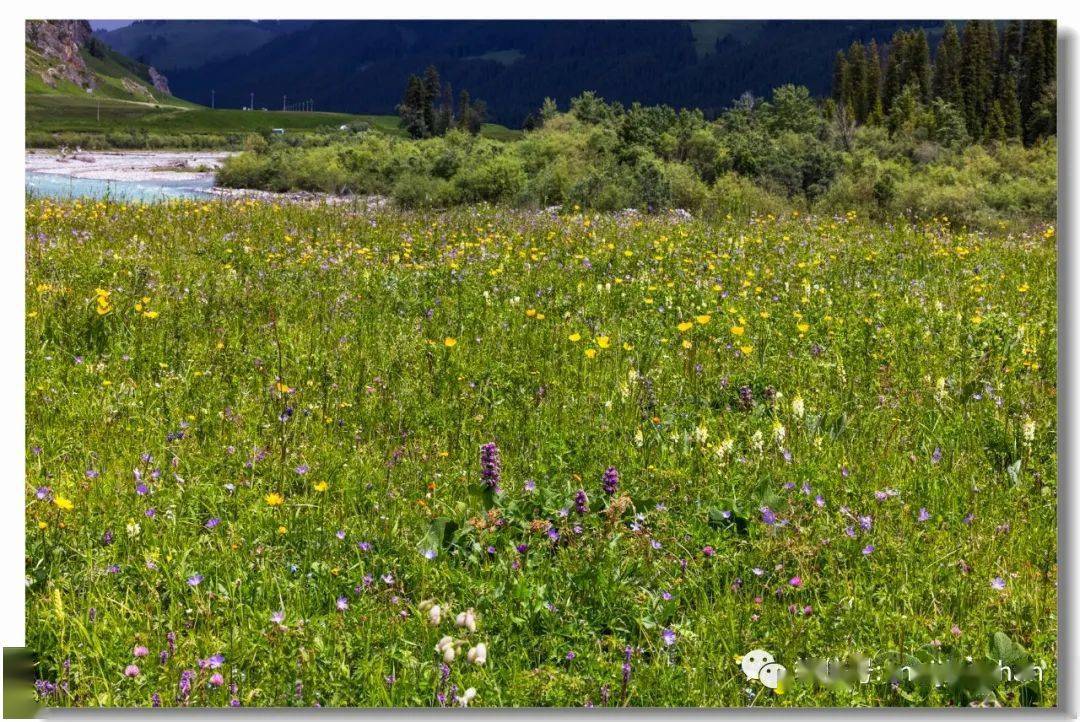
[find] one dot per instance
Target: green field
(71, 113)
(264, 440)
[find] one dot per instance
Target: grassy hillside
(80, 113)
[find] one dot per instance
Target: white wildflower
(478, 654)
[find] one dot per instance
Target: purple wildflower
(611, 480)
(491, 467)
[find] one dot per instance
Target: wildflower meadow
(289, 455)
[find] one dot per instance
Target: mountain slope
(362, 66)
(64, 59)
(174, 44)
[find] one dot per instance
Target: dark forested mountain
(363, 66)
(177, 44)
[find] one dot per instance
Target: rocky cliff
(60, 41)
(62, 44)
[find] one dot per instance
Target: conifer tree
(432, 92)
(411, 108)
(995, 124)
(919, 60)
(839, 77)
(977, 73)
(872, 88)
(947, 67)
(855, 80)
(1009, 102)
(1033, 75)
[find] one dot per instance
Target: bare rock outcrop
(60, 41)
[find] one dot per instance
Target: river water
(66, 187)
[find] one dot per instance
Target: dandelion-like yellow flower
(63, 502)
(738, 330)
(274, 499)
(685, 326)
(575, 337)
(703, 319)
(449, 342)
(321, 486)
(590, 353)
(603, 341)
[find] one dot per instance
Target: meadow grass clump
(285, 455)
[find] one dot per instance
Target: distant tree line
(427, 109)
(991, 85)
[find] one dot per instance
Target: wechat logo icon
(760, 665)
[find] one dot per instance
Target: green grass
(57, 113)
(215, 351)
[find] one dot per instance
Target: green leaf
(1007, 651)
(439, 535)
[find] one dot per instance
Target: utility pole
(283, 98)
(212, 103)
(252, 106)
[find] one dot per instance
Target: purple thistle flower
(611, 480)
(43, 493)
(866, 522)
(768, 516)
(342, 604)
(216, 680)
(868, 550)
(211, 523)
(194, 580)
(132, 670)
(491, 467)
(668, 636)
(997, 583)
(924, 515)
(530, 485)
